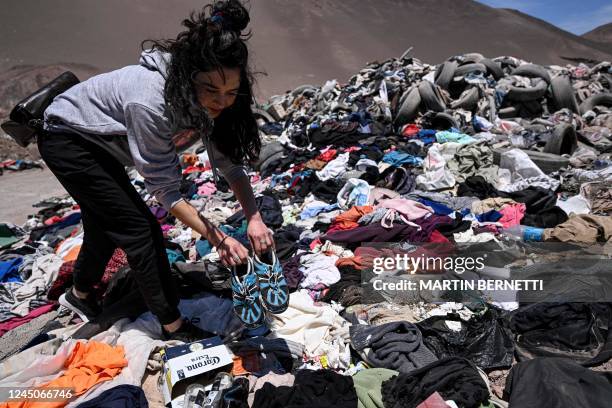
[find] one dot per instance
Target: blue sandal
(272, 283)
(245, 296)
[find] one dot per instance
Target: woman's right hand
(232, 252)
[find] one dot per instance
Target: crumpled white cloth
(320, 329)
(334, 168)
(436, 176)
(523, 173)
(319, 268)
(575, 205)
(469, 236)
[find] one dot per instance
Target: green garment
(368, 384)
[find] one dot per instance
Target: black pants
(114, 216)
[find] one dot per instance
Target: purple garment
(292, 273)
(399, 232)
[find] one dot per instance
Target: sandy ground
(20, 190)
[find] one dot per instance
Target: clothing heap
(490, 153)
(19, 165)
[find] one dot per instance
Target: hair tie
(217, 17)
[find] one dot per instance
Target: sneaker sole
(270, 308)
(62, 301)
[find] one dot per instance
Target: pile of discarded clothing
(19, 165)
(497, 154)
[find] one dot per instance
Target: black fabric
(321, 388)
(536, 199)
(546, 218)
(237, 395)
(477, 186)
(557, 383)
(366, 152)
(327, 190)
(371, 175)
(579, 331)
(347, 291)
(413, 149)
(483, 339)
(286, 241)
(400, 179)
(196, 277)
(455, 226)
(113, 215)
(337, 134)
(269, 207)
(188, 189)
(121, 396)
(453, 378)
(396, 345)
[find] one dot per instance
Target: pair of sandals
(259, 286)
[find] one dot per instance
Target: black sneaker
(87, 309)
(187, 333)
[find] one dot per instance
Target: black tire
(507, 63)
(409, 108)
(463, 70)
(562, 141)
(445, 75)
(563, 94)
(444, 121)
(472, 57)
(493, 68)
(533, 93)
(263, 115)
(301, 89)
(547, 162)
(430, 97)
(532, 71)
(606, 81)
(602, 99)
(468, 100)
(509, 112)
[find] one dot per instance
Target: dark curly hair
(213, 41)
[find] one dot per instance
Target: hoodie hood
(155, 60)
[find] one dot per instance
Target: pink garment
(15, 322)
(207, 189)
(512, 214)
(352, 149)
(435, 400)
(409, 210)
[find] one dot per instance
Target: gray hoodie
(124, 112)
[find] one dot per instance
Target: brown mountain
(294, 41)
(601, 35)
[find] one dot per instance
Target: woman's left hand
(261, 237)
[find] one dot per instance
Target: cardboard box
(195, 362)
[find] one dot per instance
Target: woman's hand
(232, 252)
(261, 237)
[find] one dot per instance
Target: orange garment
(88, 364)
(315, 164)
(348, 219)
(246, 363)
(354, 261)
(73, 254)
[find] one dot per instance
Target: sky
(575, 16)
